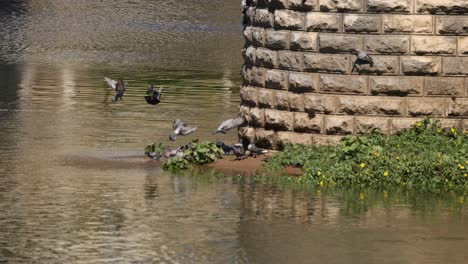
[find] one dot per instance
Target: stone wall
(299, 85)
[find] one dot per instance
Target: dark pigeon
(118, 86)
(153, 95)
(255, 151)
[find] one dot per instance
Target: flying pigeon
(118, 86)
(153, 96)
(229, 124)
(180, 128)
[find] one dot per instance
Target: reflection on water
(74, 187)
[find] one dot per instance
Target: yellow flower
(362, 165)
(466, 175)
(385, 174)
(418, 124)
(318, 173)
(397, 157)
(452, 130)
(461, 167)
(321, 183)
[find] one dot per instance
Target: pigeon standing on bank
(153, 95)
(118, 86)
(229, 124)
(255, 151)
(180, 128)
(362, 58)
(239, 151)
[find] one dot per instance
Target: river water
(74, 187)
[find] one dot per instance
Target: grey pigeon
(153, 95)
(118, 86)
(229, 124)
(180, 128)
(255, 151)
(362, 58)
(239, 151)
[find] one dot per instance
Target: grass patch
(424, 158)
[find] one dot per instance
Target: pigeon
(118, 86)
(229, 124)
(362, 58)
(180, 128)
(153, 96)
(239, 151)
(227, 150)
(255, 151)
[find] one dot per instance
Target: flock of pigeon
(153, 97)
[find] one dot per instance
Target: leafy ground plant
(424, 157)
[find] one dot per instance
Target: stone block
(279, 120)
(303, 82)
(289, 60)
(249, 55)
(339, 125)
(426, 107)
(258, 36)
(266, 98)
(319, 104)
(358, 105)
(296, 102)
(282, 100)
(266, 138)
(444, 86)
(256, 117)
(392, 86)
(266, 58)
(249, 15)
(400, 124)
(246, 73)
(258, 77)
(407, 24)
(324, 22)
(332, 63)
(340, 5)
(277, 39)
(362, 23)
(342, 84)
(463, 46)
(449, 123)
(288, 19)
(455, 66)
(365, 125)
(383, 65)
(423, 45)
(442, 6)
(334, 43)
(458, 108)
(306, 123)
(389, 6)
(327, 140)
(246, 133)
(451, 25)
(285, 138)
(417, 65)
(248, 34)
(276, 79)
(387, 44)
(302, 5)
(306, 41)
(249, 95)
(263, 18)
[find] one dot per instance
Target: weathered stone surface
(463, 46)
(442, 6)
(407, 23)
(451, 25)
(334, 43)
(254, 117)
(279, 120)
(277, 39)
(416, 65)
(383, 65)
(362, 23)
(426, 107)
(266, 58)
(342, 84)
(302, 5)
(289, 60)
(389, 6)
(319, 104)
(266, 98)
(303, 82)
(263, 18)
(249, 55)
(249, 95)
(282, 100)
(248, 34)
(266, 138)
(258, 77)
(306, 123)
(293, 138)
(357, 105)
(340, 5)
(444, 86)
(455, 66)
(422, 45)
(278, 4)
(326, 63)
(458, 107)
(387, 44)
(249, 15)
(246, 133)
(258, 36)
(246, 73)
(328, 140)
(400, 124)
(306, 41)
(288, 19)
(339, 125)
(392, 86)
(324, 22)
(449, 123)
(365, 125)
(296, 102)
(276, 79)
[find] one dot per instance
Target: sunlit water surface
(75, 187)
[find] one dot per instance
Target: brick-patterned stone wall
(299, 85)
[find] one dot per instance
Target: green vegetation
(424, 158)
